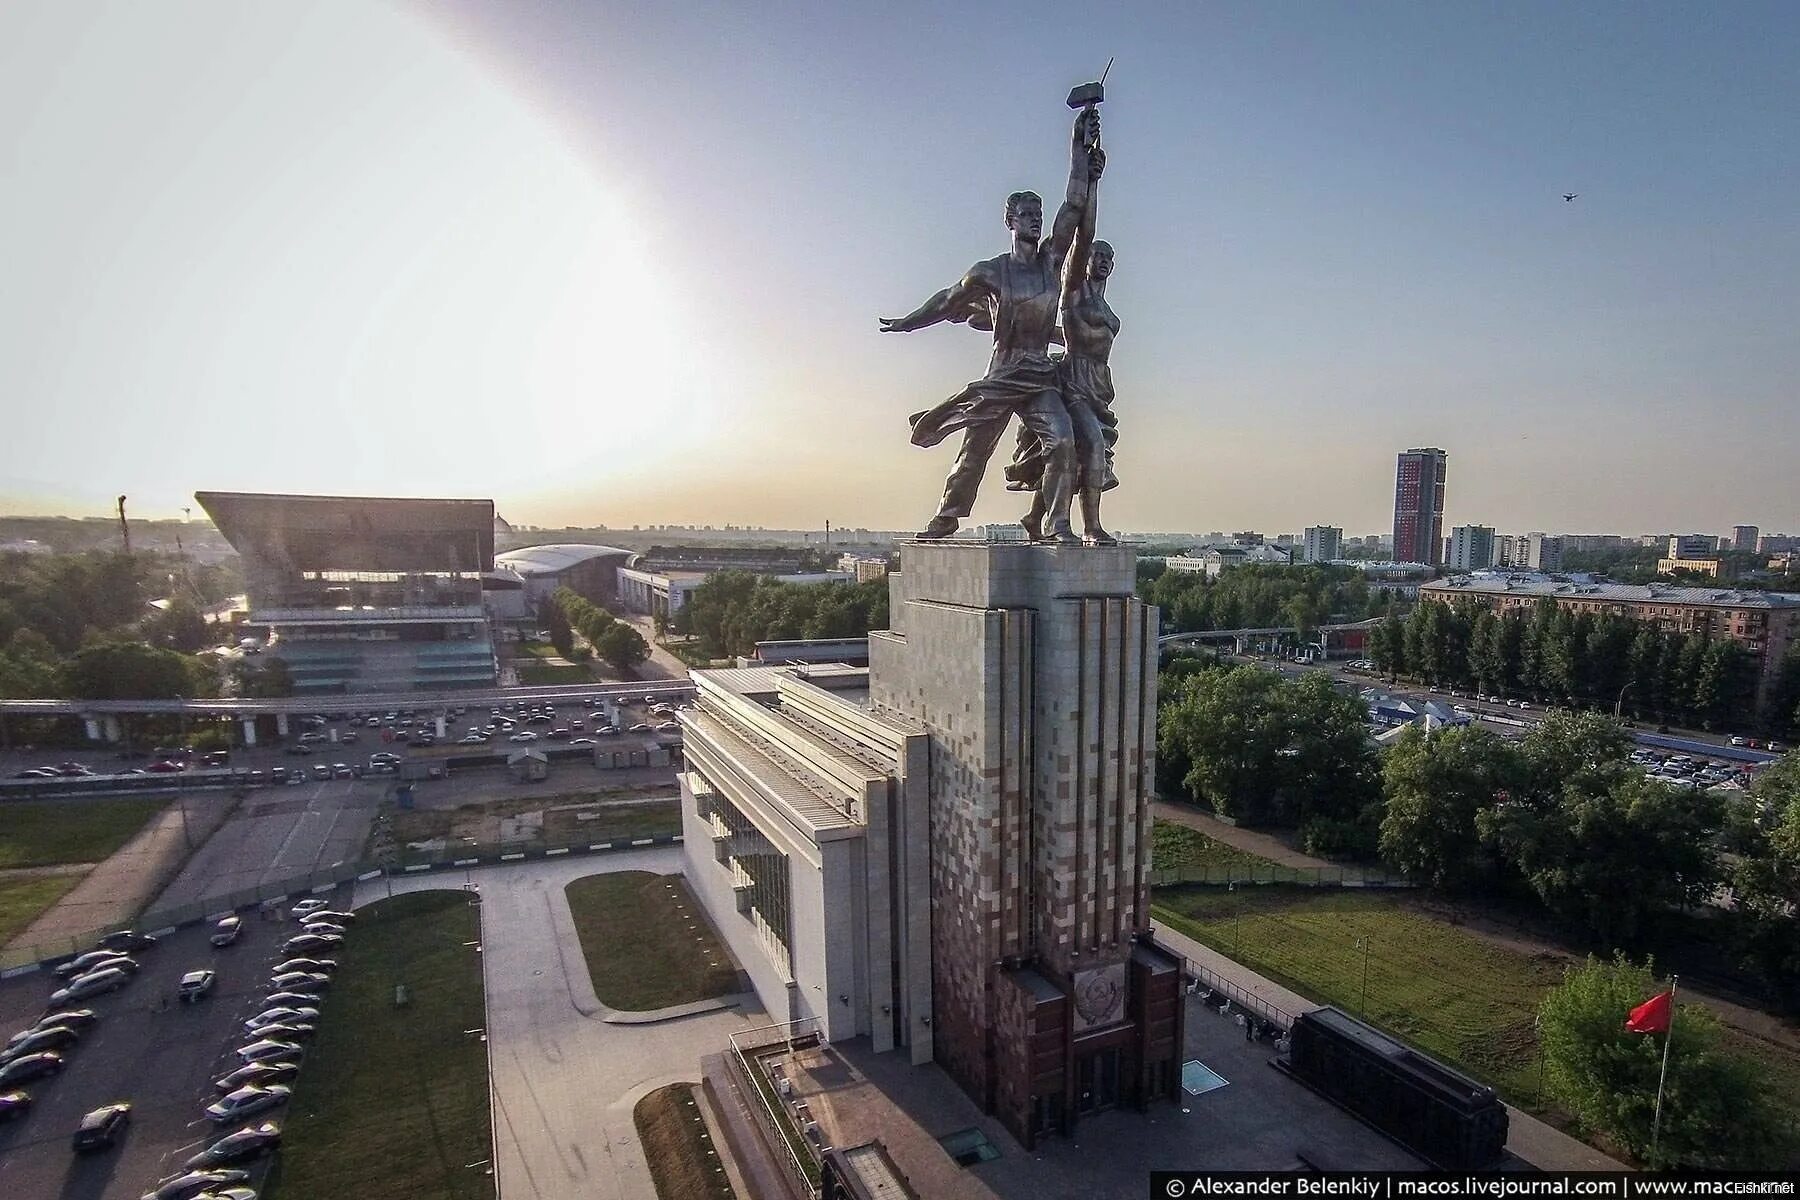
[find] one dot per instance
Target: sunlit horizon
(623, 267)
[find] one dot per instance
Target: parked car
(102, 1127)
(36, 1041)
(241, 1146)
(30, 1067)
(226, 931)
(193, 1183)
(127, 939)
(269, 1050)
(261, 1074)
(109, 979)
(290, 999)
(295, 981)
(93, 960)
(336, 916)
(524, 735)
(322, 928)
(322, 966)
(289, 1031)
(14, 1104)
(321, 771)
(247, 1102)
(74, 1018)
(298, 751)
(277, 1014)
(195, 985)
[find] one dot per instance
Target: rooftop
(549, 559)
(1556, 586)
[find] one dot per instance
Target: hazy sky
(623, 262)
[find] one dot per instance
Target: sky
(622, 263)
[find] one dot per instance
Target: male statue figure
(1088, 329)
(1017, 295)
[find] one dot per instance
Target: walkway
(564, 1084)
(1262, 845)
(116, 890)
(1539, 1144)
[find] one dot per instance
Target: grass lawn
(683, 1163)
(394, 1101)
(22, 900)
(1455, 995)
(533, 673)
(1176, 845)
(647, 941)
(39, 833)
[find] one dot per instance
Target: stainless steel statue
(1019, 296)
(1089, 326)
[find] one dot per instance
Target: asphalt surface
(283, 832)
(161, 1060)
(564, 1081)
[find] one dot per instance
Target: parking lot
(146, 1048)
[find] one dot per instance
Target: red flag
(1652, 1016)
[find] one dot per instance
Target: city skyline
(464, 250)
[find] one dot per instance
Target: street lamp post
(1619, 704)
(1362, 943)
(1537, 1025)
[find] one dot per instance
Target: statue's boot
(1033, 521)
(940, 527)
(1090, 518)
(1062, 535)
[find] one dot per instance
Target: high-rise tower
(1419, 506)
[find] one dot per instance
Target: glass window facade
(758, 871)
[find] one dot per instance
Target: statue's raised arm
(1086, 163)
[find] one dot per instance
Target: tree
(1766, 879)
(118, 670)
(1716, 1109)
(622, 646)
(180, 626)
(1437, 786)
(1263, 750)
(556, 623)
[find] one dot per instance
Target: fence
(770, 1112)
(1271, 872)
(1248, 1001)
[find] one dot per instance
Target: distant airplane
(1570, 195)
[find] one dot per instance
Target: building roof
(355, 533)
(1562, 587)
(550, 559)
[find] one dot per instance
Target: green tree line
(1260, 596)
(731, 611)
(613, 640)
(1604, 660)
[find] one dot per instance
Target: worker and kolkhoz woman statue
(1041, 291)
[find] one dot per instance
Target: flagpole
(1668, 1040)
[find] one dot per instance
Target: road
(564, 1083)
(281, 833)
(161, 1060)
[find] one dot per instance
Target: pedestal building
(954, 846)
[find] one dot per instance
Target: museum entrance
(1097, 1081)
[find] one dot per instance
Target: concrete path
(564, 1083)
(1248, 840)
(116, 890)
(1539, 1144)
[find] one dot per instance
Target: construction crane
(124, 528)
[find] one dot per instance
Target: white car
(305, 908)
(247, 1101)
(524, 735)
(275, 1016)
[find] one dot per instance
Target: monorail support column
(281, 725)
(93, 729)
(249, 731)
(110, 729)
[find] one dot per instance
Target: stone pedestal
(1034, 669)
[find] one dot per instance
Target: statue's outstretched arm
(952, 304)
(1086, 162)
(1081, 249)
